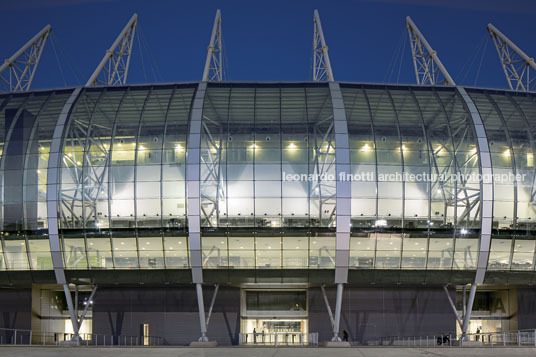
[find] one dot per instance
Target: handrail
(279, 338)
(30, 337)
(525, 337)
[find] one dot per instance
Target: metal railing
(511, 338)
(29, 337)
(437, 340)
(490, 339)
(279, 339)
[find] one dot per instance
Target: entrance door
(144, 334)
(264, 331)
(274, 317)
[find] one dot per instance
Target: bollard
(519, 338)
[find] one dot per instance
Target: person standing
(344, 335)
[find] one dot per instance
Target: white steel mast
(113, 68)
(17, 72)
(428, 67)
(213, 65)
(515, 63)
(321, 65)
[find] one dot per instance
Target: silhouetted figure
(344, 335)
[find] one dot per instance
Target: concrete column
(338, 305)
(469, 309)
(53, 199)
(201, 306)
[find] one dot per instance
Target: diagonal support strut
(321, 64)
(17, 72)
(213, 71)
(113, 68)
(429, 69)
(517, 66)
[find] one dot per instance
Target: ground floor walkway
(52, 351)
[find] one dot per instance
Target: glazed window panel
(148, 157)
(15, 254)
(388, 251)
(147, 173)
(149, 209)
(173, 172)
(414, 253)
(499, 255)
(174, 189)
(440, 253)
(214, 252)
(266, 172)
(240, 206)
(74, 253)
(125, 253)
(99, 253)
(240, 189)
(121, 174)
(362, 252)
(291, 189)
(177, 155)
(364, 189)
(268, 189)
(122, 208)
(174, 207)
(147, 190)
(466, 253)
(363, 207)
(294, 207)
(123, 154)
(389, 208)
(40, 254)
(364, 153)
(390, 190)
(176, 252)
(268, 252)
(295, 252)
(242, 252)
(523, 255)
(151, 253)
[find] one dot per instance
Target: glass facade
(268, 177)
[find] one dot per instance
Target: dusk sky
(269, 40)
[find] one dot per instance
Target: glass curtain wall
(267, 154)
(408, 211)
(123, 179)
(28, 122)
(267, 168)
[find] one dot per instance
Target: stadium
(274, 213)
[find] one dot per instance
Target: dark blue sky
(268, 40)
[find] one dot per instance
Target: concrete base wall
(366, 313)
(526, 308)
(16, 308)
(369, 313)
(171, 313)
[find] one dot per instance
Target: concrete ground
(53, 351)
